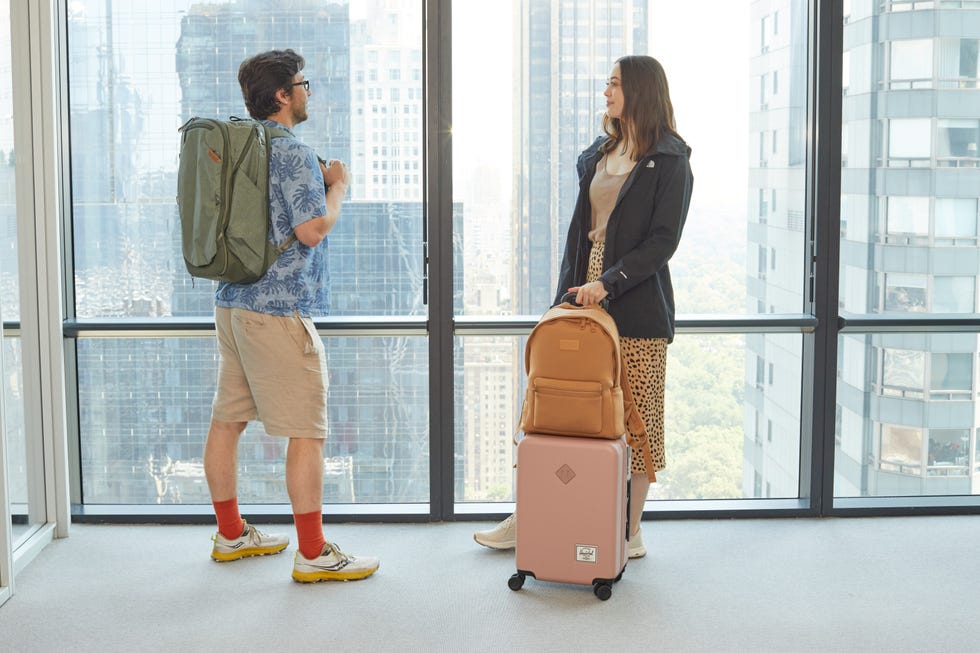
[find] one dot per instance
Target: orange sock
(230, 523)
(309, 532)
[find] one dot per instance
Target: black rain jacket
(643, 232)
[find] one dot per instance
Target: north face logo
(565, 474)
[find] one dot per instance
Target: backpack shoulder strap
(636, 430)
(280, 132)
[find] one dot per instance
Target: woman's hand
(591, 293)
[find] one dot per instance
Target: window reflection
(949, 452)
(914, 435)
(137, 71)
(905, 293)
(145, 404)
(901, 449)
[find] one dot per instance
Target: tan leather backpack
(576, 378)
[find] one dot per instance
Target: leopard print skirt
(646, 369)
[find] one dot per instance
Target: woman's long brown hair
(647, 111)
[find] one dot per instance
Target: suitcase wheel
(602, 590)
(516, 581)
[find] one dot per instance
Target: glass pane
(145, 405)
(17, 456)
(12, 361)
(902, 372)
(138, 70)
(907, 215)
(910, 245)
(9, 276)
(490, 385)
(954, 295)
(956, 218)
(905, 293)
(521, 118)
(951, 374)
(958, 139)
(909, 138)
(894, 439)
(911, 62)
(949, 452)
(728, 435)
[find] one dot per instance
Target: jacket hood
(670, 144)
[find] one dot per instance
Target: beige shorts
(272, 369)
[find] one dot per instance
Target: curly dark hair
(263, 75)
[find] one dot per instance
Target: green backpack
(223, 199)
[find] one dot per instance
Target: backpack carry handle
(569, 298)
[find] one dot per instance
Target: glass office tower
(906, 419)
(907, 415)
(136, 74)
(563, 54)
(776, 244)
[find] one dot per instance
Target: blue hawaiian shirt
(298, 281)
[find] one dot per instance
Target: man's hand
(335, 172)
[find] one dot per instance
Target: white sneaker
(502, 536)
(252, 542)
(637, 550)
(333, 564)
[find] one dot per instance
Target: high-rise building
(563, 52)
(775, 244)
(906, 417)
(142, 438)
(911, 126)
(214, 40)
(386, 101)
(566, 49)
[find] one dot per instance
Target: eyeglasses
(305, 84)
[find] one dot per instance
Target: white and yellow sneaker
(333, 564)
(252, 542)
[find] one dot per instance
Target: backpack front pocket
(565, 407)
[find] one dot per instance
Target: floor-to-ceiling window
(422, 414)
(33, 447)
(136, 72)
(8, 218)
(907, 418)
(13, 378)
(520, 119)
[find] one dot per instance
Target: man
(272, 365)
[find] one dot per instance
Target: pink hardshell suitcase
(572, 511)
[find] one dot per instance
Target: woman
(634, 191)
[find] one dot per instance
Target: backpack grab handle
(569, 298)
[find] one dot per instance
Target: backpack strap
(520, 421)
(279, 132)
(636, 430)
(286, 243)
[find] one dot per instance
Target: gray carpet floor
(882, 584)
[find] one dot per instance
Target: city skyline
(136, 198)
(909, 232)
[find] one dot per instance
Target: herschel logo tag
(565, 474)
(586, 553)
